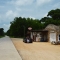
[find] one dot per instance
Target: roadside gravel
(37, 50)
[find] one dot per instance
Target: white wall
(52, 36)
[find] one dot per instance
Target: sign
(29, 28)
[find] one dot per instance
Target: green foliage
(1, 32)
(19, 26)
(55, 14)
(53, 17)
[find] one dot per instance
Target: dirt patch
(37, 50)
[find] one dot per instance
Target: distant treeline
(2, 32)
(20, 25)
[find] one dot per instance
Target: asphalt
(8, 50)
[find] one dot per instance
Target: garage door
(52, 37)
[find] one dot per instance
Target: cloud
(21, 2)
(32, 17)
(41, 2)
(6, 27)
(1, 6)
(24, 8)
(0, 19)
(18, 9)
(28, 2)
(45, 15)
(57, 5)
(0, 16)
(10, 15)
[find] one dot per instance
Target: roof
(39, 30)
(52, 27)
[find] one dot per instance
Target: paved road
(8, 50)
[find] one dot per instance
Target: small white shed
(49, 34)
(53, 33)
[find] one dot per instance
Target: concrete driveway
(8, 50)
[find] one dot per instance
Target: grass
(2, 36)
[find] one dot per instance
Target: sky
(36, 9)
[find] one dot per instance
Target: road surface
(8, 50)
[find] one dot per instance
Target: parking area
(37, 50)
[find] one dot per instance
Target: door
(52, 37)
(58, 37)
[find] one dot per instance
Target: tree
(19, 26)
(55, 14)
(1, 32)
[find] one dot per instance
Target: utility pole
(24, 31)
